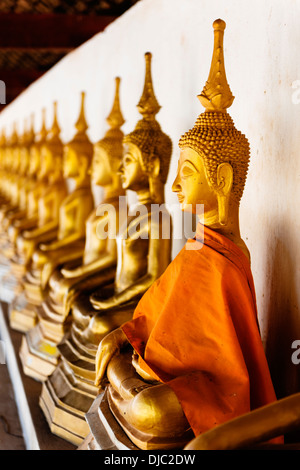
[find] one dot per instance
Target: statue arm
(133, 292)
(158, 251)
(57, 244)
(105, 261)
(108, 347)
(24, 224)
(29, 234)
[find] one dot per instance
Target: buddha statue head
(147, 149)
(36, 147)
(78, 152)
(52, 150)
(214, 155)
(109, 150)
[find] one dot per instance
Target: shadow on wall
(283, 317)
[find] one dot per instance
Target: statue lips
(180, 198)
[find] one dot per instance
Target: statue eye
(187, 171)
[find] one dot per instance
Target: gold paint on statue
(68, 246)
(139, 403)
(143, 255)
(53, 193)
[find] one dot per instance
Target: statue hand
(71, 273)
(103, 304)
(110, 345)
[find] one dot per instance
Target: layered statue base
(70, 388)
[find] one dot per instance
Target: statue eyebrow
(189, 163)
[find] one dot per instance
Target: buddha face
(101, 170)
(132, 174)
(192, 187)
(70, 162)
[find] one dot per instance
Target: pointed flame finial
(43, 132)
(81, 124)
(55, 129)
(115, 119)
(148, 105)
(216, 95)
(30, 132)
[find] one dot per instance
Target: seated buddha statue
(98, 262)
(52, 196)
(73, 212)
(192, 358)
(12, 184)
(143, 254)
(28, 188)
(68, 245)
(13, 206)
(100, 254)
(3, 167)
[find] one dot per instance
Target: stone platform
(35, 429)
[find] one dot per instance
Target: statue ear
(224, 185)
(224, 178)
(83, 162)
(156, 167)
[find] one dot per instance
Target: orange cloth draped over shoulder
(196, 330)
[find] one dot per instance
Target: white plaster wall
(262, 58)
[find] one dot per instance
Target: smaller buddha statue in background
(73, 212)
(144, 252)
(3, 169)
(12, 207)
(100, 254)
(192, 357)
(53, 194)
(69, 244)
(98, 262)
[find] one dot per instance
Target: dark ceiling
(35, 34)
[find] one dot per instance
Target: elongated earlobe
(224, 183)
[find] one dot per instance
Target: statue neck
(55, 177)
(113, 190)
(146, 196)
(82, 180)
(232, 228)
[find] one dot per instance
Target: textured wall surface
(263, 66)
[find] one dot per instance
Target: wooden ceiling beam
(48, 31)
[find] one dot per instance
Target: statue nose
(176, 184)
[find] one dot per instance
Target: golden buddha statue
(53, 194)
(13, 164)
(4, 168)
(143, 255)
(98, 261)
(100, 253)
(192, 357)
(68, 246)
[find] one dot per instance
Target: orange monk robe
(196, 330)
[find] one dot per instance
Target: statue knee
(156, 410)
